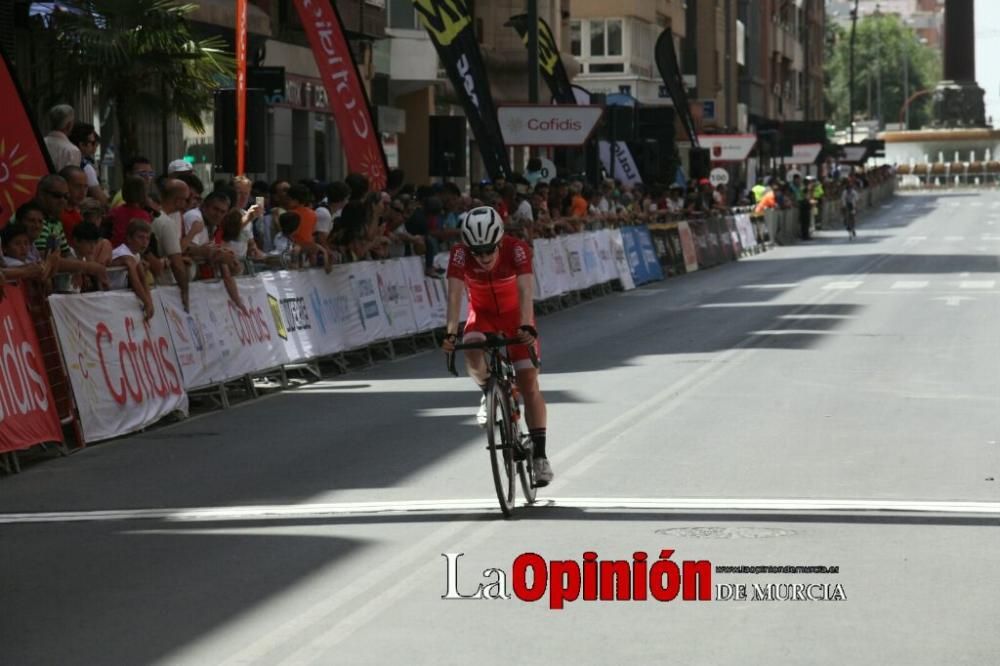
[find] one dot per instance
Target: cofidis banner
(348, 99)
(27, 410)
(23, 158)
(449, 25)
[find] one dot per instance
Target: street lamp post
(850, 86)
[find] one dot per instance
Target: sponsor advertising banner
(297, 332)
(348, 98)
(203, 350)
(450, 26)
(27, 408)
(621, 261)
(124, 371)
(549, 60)
(688, 247)
(591, 260)
(645, 240)
(396, 298)
(633, 254)
(413, 269)
(573, 248)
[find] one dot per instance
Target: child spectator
(19, 260)
(129, 254)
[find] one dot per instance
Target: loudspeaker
(447, 146)
(651, 163)
(701, 163)
(656, 122)
(256, 131)
(620, 123)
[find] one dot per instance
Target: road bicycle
(507, 438)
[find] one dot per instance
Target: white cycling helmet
(482, 226)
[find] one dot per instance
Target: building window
(402, 15)
(606, 38)
(606, 68)
(575, 47)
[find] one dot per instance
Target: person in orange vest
(767, 200)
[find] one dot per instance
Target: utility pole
(854, 29)
(906, 88)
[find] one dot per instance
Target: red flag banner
(27, 409)
(23, 158)
(241, 85)
(348, 99)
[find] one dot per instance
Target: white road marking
(953, 301)
(910, 284)
(795, 317)
(989, 237)
(476, 506)
(977, 284)
(976, 204)
(915, 239)
(953, 239)
(789, 285)
(965, 275)
(909, 206)
(843, 285)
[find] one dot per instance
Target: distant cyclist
(849, 201)
(496, 272)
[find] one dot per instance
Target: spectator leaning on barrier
(202, 225)
(768, 199)
(168, 229)
(76, 183)
(52, 195)
(284, 247)
(87, 245)
(129, 254)
(19, 263)
(266, 227)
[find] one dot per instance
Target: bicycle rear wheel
(501, 447)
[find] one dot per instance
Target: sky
(987, 50)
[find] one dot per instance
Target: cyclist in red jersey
(495, 270)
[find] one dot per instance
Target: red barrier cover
(27, 408)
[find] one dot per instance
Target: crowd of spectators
(173, 228)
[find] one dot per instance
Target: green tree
(885, 48)
(144, 60)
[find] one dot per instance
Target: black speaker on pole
(651, 163)
(655, 122)
(620, 123)
(256, 131)
(447, 146)
(701, 163)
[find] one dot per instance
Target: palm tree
(143, 59)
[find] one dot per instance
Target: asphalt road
(834, 403)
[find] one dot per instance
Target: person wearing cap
(178, 166)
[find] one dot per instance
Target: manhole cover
(727, 532)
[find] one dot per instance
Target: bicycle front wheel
(526, 467)
(499, 429)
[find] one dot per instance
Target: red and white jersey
(492, 293)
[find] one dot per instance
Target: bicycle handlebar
(491, 342)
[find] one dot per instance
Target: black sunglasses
(483, 250)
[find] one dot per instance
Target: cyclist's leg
(475, 359)
(535, 413)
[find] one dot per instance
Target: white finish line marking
(977, 284)
(910, 284)
(843, 285)
(284, 512)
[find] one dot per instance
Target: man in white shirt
(210, 213)
(61, 149)
(168, 229)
